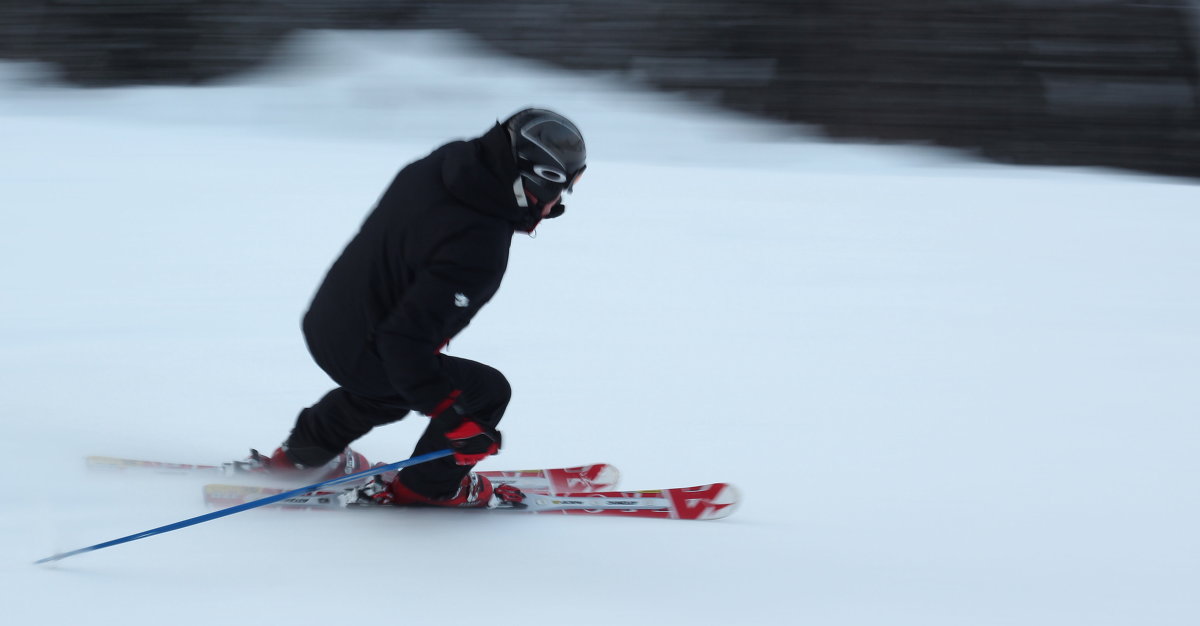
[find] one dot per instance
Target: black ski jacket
(431, 253)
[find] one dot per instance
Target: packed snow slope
(952, 393)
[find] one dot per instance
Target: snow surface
(951, 392)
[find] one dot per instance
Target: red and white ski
(583, 478)
(703, 502)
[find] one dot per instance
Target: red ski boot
(475, 491)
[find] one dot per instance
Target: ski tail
(200, 519)
(115, 464)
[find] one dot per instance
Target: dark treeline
(1067, 82)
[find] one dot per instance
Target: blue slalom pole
(251, 505)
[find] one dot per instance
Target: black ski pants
(365, 399)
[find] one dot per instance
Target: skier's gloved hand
(472, 442)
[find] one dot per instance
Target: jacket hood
(482, 174)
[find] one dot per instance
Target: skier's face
(546, 206)
(570, 187)
(550, 205)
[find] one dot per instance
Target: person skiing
(431, 253)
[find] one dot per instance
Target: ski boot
(278, 464)
(475, 491)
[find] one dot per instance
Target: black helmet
(549, 152)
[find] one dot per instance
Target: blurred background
(953, 393)
(1071, 82)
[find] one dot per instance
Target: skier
(427, 258)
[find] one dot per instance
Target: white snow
(952, 393)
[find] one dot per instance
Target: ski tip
(705, 502)
(724, 503)
(607, 475)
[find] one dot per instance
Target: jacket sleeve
(443, 297)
